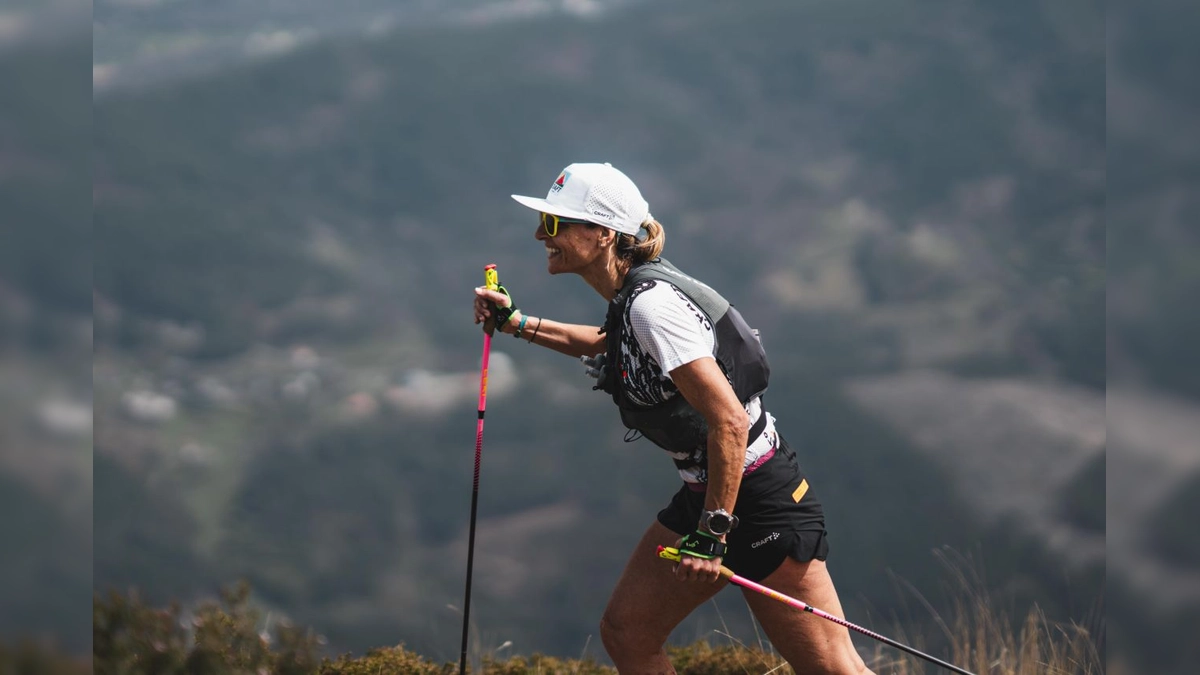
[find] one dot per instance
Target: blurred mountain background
(293, 200)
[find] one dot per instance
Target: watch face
(719, 523)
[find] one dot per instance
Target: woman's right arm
(565, 338)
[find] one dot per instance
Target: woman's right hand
(485, 303)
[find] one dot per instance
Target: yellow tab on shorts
(800, 491)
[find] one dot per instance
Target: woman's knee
(623, 637)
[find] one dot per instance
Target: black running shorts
(778, 514)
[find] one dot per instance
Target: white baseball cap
(597, 193)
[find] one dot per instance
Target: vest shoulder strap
(709, 301)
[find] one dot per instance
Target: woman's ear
(606, 238)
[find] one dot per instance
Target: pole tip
(490, 267)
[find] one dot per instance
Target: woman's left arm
(704, 386)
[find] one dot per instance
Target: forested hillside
(286, 251)
(907, 199)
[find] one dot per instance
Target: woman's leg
(647, 604)
(810, 644)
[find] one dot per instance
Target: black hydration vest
(674, 424)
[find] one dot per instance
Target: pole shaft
(673, 554)
(771, 593)
(487, 350)
(491, 280)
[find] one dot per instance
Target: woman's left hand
(487, 303)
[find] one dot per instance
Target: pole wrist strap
(503, 314)
(702, 545)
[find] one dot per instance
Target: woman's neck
(606, 276)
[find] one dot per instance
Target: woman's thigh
(808, 642)
(648, 601)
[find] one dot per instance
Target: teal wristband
(521, 326)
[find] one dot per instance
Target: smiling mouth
(551, 252)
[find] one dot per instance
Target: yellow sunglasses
(550, 223)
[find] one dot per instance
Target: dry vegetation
(230, 636)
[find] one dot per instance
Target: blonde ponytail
(637, 251)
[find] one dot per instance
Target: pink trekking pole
(492, 282)
(673, 554)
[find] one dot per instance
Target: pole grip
(669, 553)
(491, 281)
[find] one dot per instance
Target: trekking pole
(492, 282)
(673, 554)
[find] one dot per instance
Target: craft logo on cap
(562, 178)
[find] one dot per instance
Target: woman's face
(574, 248)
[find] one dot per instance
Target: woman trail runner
(687, 372)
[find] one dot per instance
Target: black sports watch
(718, 522)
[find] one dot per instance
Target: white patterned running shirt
(663, 331)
